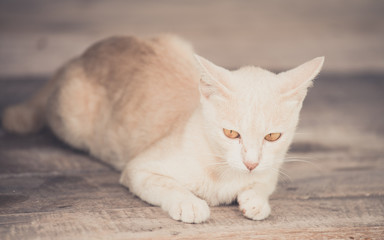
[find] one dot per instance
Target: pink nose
(251, 165)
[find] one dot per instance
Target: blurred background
(37, 36)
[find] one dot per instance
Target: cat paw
(253, 206)
(193, 210)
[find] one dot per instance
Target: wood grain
(309, 218)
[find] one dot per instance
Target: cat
(186, 133)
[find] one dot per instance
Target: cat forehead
(255, 86)
(252, 72)
(253, 80)
(255, 97)
(255, 117)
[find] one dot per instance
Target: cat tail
(29, 116)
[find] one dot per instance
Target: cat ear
(299, 79)
(212, 76)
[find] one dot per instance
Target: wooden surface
(50, 191)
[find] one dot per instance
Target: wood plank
(80, 188)
(341, 233)
(309, 201)
(16, 89)
(289, 216)
(46, 193)
(332, 175)
(42, 153)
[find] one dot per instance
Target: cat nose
(251, 165)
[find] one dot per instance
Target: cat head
(250, 114)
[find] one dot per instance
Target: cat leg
(254, 201)
(156, 188)
(253, 205)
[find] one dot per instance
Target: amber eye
(272, 137)
(231, 133)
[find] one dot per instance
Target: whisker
(292, 159)
(298, 158)
(223, 164)
(301, 133)
(282, 175)
(212, 155)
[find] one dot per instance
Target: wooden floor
(336, 191)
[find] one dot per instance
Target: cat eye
(231, 133)
(272, 137)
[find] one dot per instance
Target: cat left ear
(212, 76)
(297, 80)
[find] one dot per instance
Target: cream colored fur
(155, 111)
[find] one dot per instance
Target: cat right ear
(297, 80)
(212, 77)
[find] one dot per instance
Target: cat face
(251, 114)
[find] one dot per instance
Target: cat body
(184, 132)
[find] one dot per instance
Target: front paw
(253, 206)
(190, 210)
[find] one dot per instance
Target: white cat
(184, 132)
